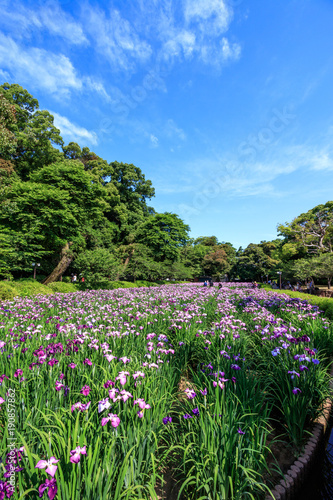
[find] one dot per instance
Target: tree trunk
(128, 258)
(65, 260)
(329, 283)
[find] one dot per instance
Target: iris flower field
(103, 394)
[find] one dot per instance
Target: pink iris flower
(112, 394)
(72, 365)
(110, 357)
(1, 400)
(87, 362)
(114, 419)
(51, 468)
(53, 362)
(122, 377)
(80, 406)
(138, 374)
(125, 395)
(150, 346)
(125, 360)
(142, 404)
(18, 372)
(58, 385)
(76, 454)
(221, 384)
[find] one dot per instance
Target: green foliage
(33, 130)
(7, 120)
(97, 266)
(165, 234)
(313, 230)
(28, 288)
(253, 262)
(7, 290)
(113, 285)
(61, 287)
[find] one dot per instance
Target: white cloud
(181, 44)
(58, 22)
(115, 38)
(24, 22)
(96, 86)
(314, 158)
(199, 32)
(212, 16)
(323, 161)
(172, 130)
(38, 67)
(153, 140)
(215, 55)
(74, 132)
(4, 76)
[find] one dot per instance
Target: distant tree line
(70, 210)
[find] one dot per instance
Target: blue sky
(225, 105)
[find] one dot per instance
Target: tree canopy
(69, 209)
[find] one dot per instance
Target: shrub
(59, 286)
(140, 283)
(28, 287)
(7, 291)
(121, 284)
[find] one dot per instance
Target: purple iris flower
(85, 390)
(51, 486)
(6, 488)
(167, 420)
(195, 411)
(76, 454)
(296, 390)
(240, 431)
(293, 373)
(190, 393)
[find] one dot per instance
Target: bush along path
(92, 380)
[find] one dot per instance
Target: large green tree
(165, 234)
(313, 229)
(253, 263)
(33, 134)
